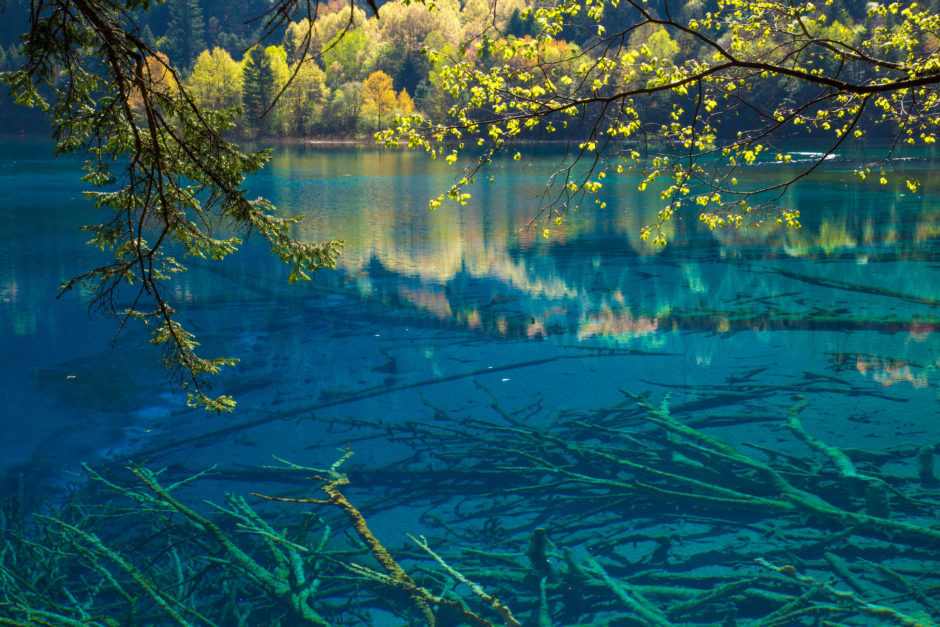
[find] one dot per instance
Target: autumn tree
(378, 96)
(156, 76)
(216, 81)
(405, 104)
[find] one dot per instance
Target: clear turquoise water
(434, 314)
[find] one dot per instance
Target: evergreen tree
(264, 73)
(149, 38)
(516, 26)
(162, 167)
(520, 27)
(253, 82)
(186, 32)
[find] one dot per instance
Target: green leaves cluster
(688, 103)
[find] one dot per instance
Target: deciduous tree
(302, 103)
(345, 108)
(405, 104)
(216, 81)
(747, 80)
(311, 38)
(158, 77)
(346, 57)
(378, 96)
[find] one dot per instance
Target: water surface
(445, 318)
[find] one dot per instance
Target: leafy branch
(163, 168)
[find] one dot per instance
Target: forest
(358, 70)
(355, 70)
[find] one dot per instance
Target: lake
(595, 430)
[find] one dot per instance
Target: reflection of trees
(472, 265)
(627, 299)
(889, 371)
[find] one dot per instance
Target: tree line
(348, 74)
(351, 72)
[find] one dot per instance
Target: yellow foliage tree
(405, 103)
(405, 26)
(302, 40)
(378, 96)
(301, 105)
(216, 81)
(156, 77)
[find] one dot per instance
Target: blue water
(464, 314)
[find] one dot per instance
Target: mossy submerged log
(569, 574)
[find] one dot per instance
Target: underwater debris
(612, 486)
